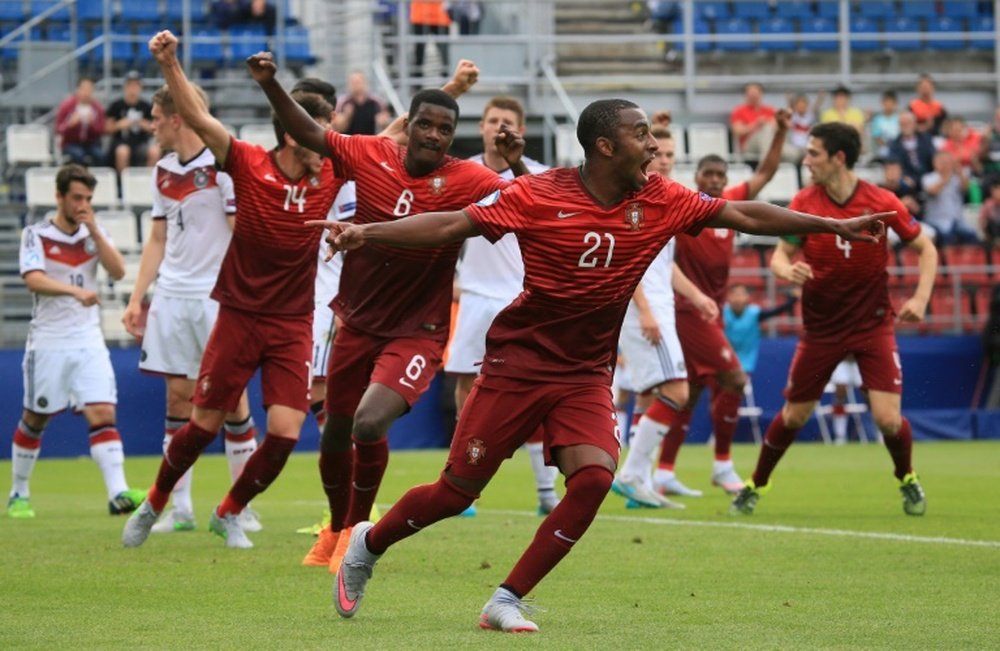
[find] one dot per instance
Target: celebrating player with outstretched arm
(587, 236)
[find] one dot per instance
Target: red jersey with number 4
(397, 292)
(849, 290)
(270, 265)
(705, 258)
(582, 263)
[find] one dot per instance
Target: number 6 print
(413, 371)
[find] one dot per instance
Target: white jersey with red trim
(195, 199)
(328, 273)
(61, 322)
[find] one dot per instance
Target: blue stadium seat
(982, 24)
(122, 51)
(58, 33)
(828, 8)
(141, 11)
(245, 41)
(945, 24)
(91, 10)
(877, 9)
(12, 10)
(734, 26)
(297, 50)
(175, 10)
(9, 52)
(794, 9)
(700, 27)
(712, 10)
(862, 25)
(778, 26)
(960, 9)
(38, 6)
(208, 52)
(919, 9)
(899, 25)
(752, 10)
(819, 26)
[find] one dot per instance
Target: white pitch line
(778, 528)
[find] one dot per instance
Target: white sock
(645, 443)
(722, 466)
(840, 427)
(238, 452)
(110, 458)
(663, 475)
(23, 461)
(545, 476)
(181, 495)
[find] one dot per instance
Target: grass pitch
(828, 561)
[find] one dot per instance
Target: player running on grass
(845, 310)
(587, 236)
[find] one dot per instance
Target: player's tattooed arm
(914, 309)
(300, 125)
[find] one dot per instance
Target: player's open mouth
(644, 168)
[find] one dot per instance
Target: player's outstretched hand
(913, 310)
(335, 234)
(464, 78)
(510, 144)
(262, 66)
(130, 319)
(163, 46)
(866, 228)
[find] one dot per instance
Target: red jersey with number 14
(270, 265)
(398, 292)
(582, 263)
(849, 290)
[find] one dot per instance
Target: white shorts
(848, 373)
(177, 331)
(468, 341)
(650, 365)
(324, 327)
(61, 379)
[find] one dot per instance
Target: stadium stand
(137, 187)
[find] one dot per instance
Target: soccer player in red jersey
(395, 304)
(845, 311)
(265, 290)
(711, 360)
(587, 236)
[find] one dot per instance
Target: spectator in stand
(905, 188)
(989, 150)
(930, 113)
(803, 118)
(842, 111)
(360, 112)
(80, 125)
(963, 144)
(945, 188)
(884, 126)
(429, 18)
(230, 13)
(989, 216)
(753, 124)
(467, 15)
(129, 122)
(913, 149)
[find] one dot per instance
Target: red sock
(674, 439)
(900, 448)
(725, 417)
(776, 441)
(185, 447)
(335, 471)
(419, 508)
(585, 490)
(262, 468)
(319, 413)
(370, 461)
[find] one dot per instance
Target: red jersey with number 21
(849, 290)
(270, 265)
(582, 263)
(398, 292)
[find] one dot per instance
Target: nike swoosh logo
(269, 177)
(386, 167)
(561, 536)
(564, 215)
(409, 523)
(346, 606)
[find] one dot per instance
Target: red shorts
(707, 352)
(240, 343)
(405, 365)
(813, 364)
(502, 413)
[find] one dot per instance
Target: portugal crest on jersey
(475, 452)
(437, 185)
(633, 216)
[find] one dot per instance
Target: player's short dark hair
(506, 103)
(661, 132)
(67, 174)
(436, 97)
(165, 99)
(317, 86)
(836, 137)
(600, 120)
(711, 159)
(890, 94)
(314, 105)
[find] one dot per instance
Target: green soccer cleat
(126, 501)
(20, 507)
(914, 501)
(314, 529)
(746, 500)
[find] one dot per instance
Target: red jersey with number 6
(270, 265)
(582, 263)
(397, 292)
(849, 290)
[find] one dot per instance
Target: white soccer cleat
(673, 486)
(174, 521)
(505, 612)
(138, 526)
(637, 491)
(228, 527)
(249, 520)
(354, 573)
(724, 476)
